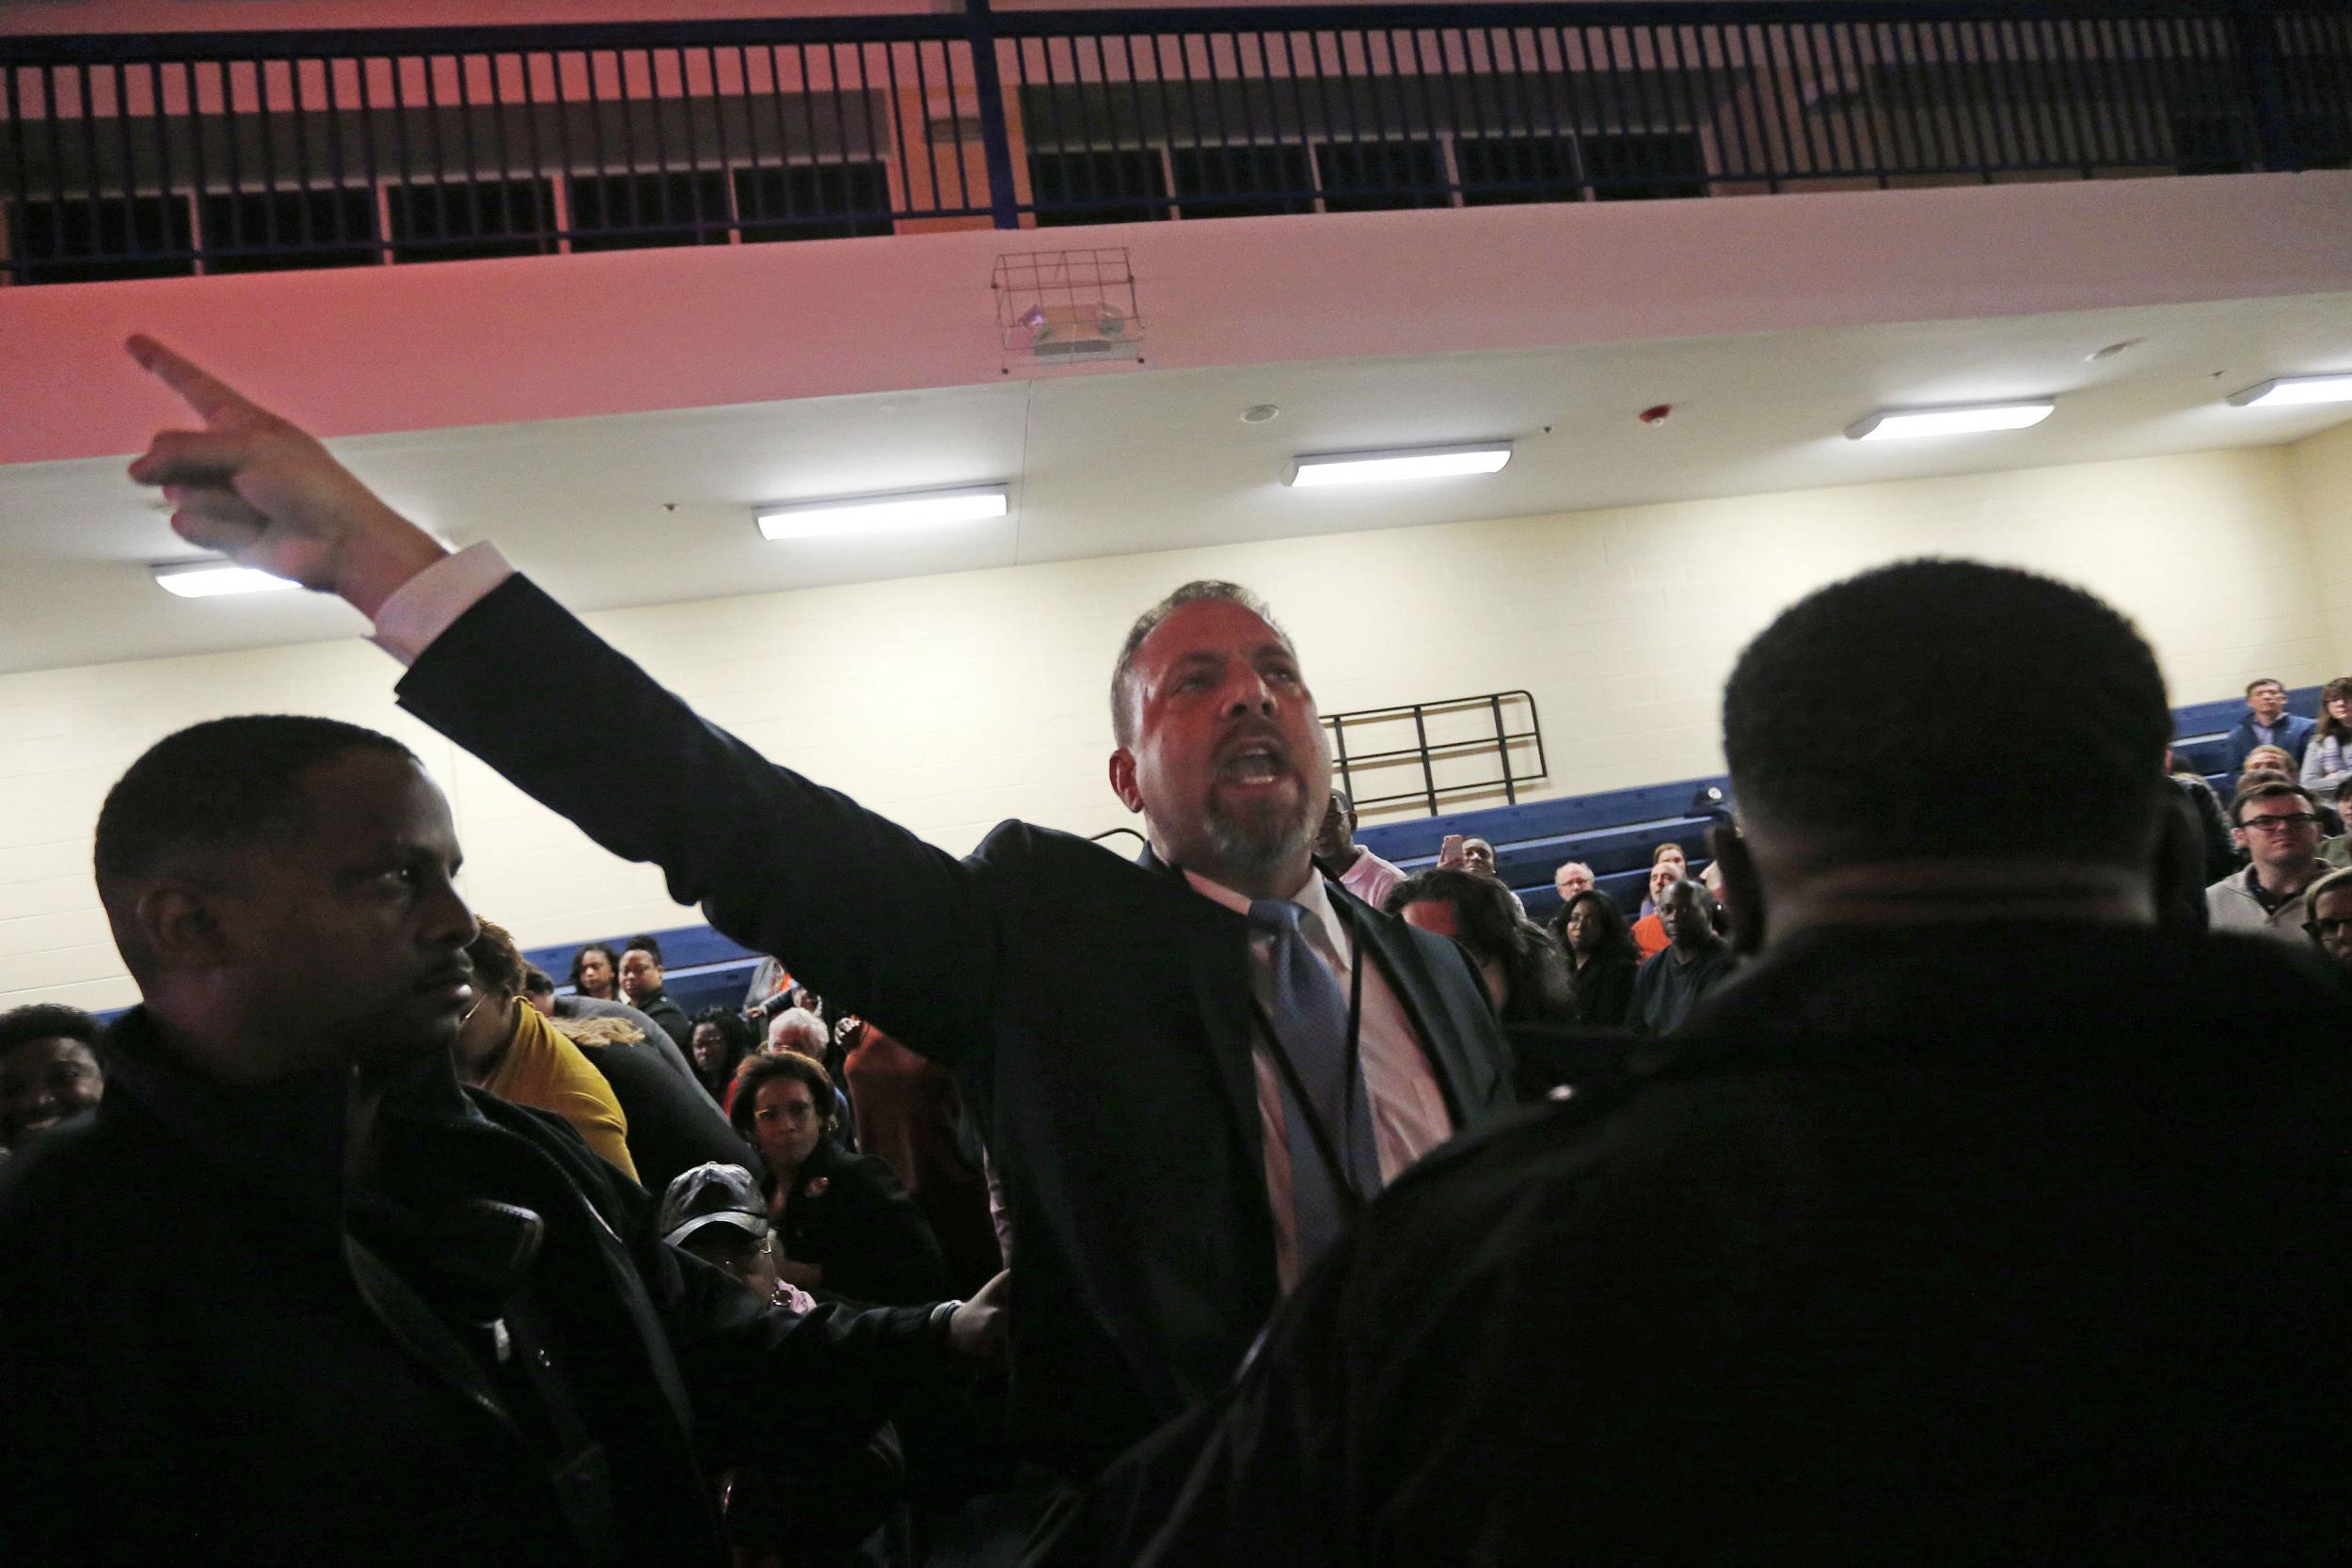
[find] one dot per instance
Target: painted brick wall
(951, 702)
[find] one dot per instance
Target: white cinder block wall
(951, 702)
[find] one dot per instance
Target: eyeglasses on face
(2280, 824)
(2328, 925)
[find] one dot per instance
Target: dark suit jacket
(1097, 1012)
(1971, 1246)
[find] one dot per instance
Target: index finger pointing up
(198, 389)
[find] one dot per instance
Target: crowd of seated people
(1914, 1220)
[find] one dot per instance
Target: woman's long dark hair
(737, 1042)
(2329, 729)
(1486, 921)
(613, 961)
(1616, 937)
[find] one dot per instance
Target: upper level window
(98, 238)
(281, 230)
(813, 202)
(1100, 185)
(1241, 181)
(1381, 176)
(615, 212)
(453, 221)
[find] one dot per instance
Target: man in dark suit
(1979, 1220)
(1190, 1070)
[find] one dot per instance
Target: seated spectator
(514, 1051)
(595, 971)
(1571, 877)
(2278, 826)
(1476, 856)
(1340, 858)
(2212, 829)
(641, 985)
(2328, 755)
(910, 1114)
(539, 989)
(2267, 722)
(720, 1042)
(1526, 975)
(2330, 902)
(2269, 759)
(1667, 854)
(1696, 961)
(1593, 932)
(673, 1125)
(1980, 1221)
(1649, 932)
(715, 1211)
(49, 1070)
(846, 1224)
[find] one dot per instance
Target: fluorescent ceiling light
(890, 513)
(1889, 424)
(205, 579)
(1367, 468)
(2296, 389)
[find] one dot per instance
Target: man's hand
(267, 495)
(979, 1328)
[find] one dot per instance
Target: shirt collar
(1326, 924)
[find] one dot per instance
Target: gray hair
(802, 1022)
(1203, 590)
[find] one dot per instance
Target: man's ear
(177, 925)
(1743, 891)
(1122, 771)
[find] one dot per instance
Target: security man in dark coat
(291, 1294)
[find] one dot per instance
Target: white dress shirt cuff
(429, 603)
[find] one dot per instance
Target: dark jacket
(1993, 1245)
(1604, 990)
(2213, 831)
(673, 1055)
(2294, 731)
(218, 1350)
(670, 1016)
(1096, 1012)
(850, 1215)
(673, 1125)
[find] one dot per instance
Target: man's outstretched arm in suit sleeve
(892, 925)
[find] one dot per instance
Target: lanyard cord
(1328, 1148)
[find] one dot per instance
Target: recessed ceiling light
(1259, 413)
(1397, 463)
(2289, 389)
(1960, 419)
(885, 514)
(207, 580)
(2111, 351)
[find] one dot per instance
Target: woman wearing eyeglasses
(844, 1225)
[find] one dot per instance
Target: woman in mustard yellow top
(511, 1050)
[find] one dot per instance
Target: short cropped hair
(215, 785)
(537, 981)
(643, 944)
(1831, 713)
(2252, 686)
(2265, 788)
(42, 1020)
(2335, 882)
(1203, 590)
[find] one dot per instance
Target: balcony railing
(144, 155)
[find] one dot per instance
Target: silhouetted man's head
(281, 889)
(1832, 712)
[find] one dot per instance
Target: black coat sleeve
(877, 1244)
(879, 920)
